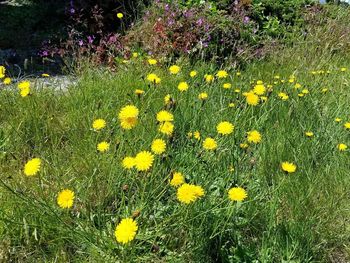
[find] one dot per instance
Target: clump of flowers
(189, 193)
(65, 198)
(126, 230)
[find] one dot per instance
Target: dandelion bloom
(237, 194)
(227, 85)
(166, 128)
(188, 193)
(164, 116)
(153, 78)
(193, 73)
(158, 146)
(254, 136)
(259, 89)
(45, 75)
(342, 147)
(225, 128)
(152, 61)
(128, 162)
(209, 144)
(347, 125)
(177, 180)
(98, 124)
(24, 92)
(167, 99)
(139, 92)
(183, 86)
(2, 72)
(144, 161)
(197, 135)
(120, 15)
(337, 120)
(222, 74)
(208, 78)
(24, 85)
(65, 198)
(103, 147)
(309, 134)
(174, 69)
(7, 81)
(126, 230)
(32, 167)
(203, 96)
(252, 98)
(283, 96)
(128, 117)
(288, 167)
(135, 54)
(231, 105)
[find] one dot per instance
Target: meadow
(181, 162)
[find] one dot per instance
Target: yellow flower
(283, 96)
(45, 75)
(243, 145)
(259, 89)
(309, 133)
(305, 91)
(7, 81)
(177, 180)
(222, 74)
(183, 86)
(166, 128)
(65, 198)
(263, 98)
(25, 92)
(238, 73)
(237, 194)
(197, 135)
(144, 161)
(120, 15)
(103, 146)
(297, 86)
(254, 136)
(135, 54)
(209, 144)
(301, 95)
(128, 117)
(342, 147)
(158, 146)
(188, 193)
(24, 85)
(126, 230)
(32, 167)
(227, 85)
(139, 92)
(288, 167)
(337, 120)
(325, 90)
(343, 69)
(347, 125)
(164, 116)
(208, 78)
(231, 105)
(167, 99)
(153, 78)
(2, 72)
(152, 61)
(203, 96)
(252, 98)
(174, 69)
(259, 82)
(128, 162)
(193, 73)
(98, 124)
(237, 90)
(225, 128)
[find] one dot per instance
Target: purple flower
(81, 42)
(91, 39)
(72, 11)
(200, 22)
(246, 20)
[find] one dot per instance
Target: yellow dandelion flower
(152, 61)
(98, 124)
(193, 73)
(309, 134)
(208, 78)
(259, 89)
(65, 198)
(222, 74)
(144, 161)
(347, 125)
(167, 99)
(225, 128)
(128, 117)
(135, 54)
(305, 91)
(177, 180)
(252, 98)
(128, 162)
(174, 69)
(166, 128)
(32, 167)
(297, 86)
(343, 69)
(164, 116)
(254, 136)
(231, 105)
(153, 78)
(183, 86)
(2, 72)
(209, 144)
(288, 167)
(126, 230)
(120, 15)
(188, 193)
(24, 92)
(283, 96)
(24, 85)
(103, 146)
(342, 147)
(337, 119)
(237, 90)
(45, 75)
(7, 81)
(227, 85)
(139, 92)
(237, 194)
(203, 96)
(158, 146)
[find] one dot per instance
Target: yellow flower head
(259, 89)
(128, 117)
(45, 75)
(231, 105)
(222, 74)
(32, 167)
(197, 135)
(343, 69)
(203, 96)
(254, 136)
(177, 180)
(103, 147)
(144, 161)
(193, 73)
(342, 147)
(225, 128)
(25, 91)
(227, 85)
(139, 92)
(347, 125)
(309, 134)
(135, 54)
(24, 85)
(7, 81)
(297, 86)
(209, 144)
(158, 146)
(337, 120)
(2, 72)
(152, 61)
(188, 193)
(166, 128)
(98, 124)
(126, 230)
(164, 116)
(65, 198)
(237, 194)
(174, 69)
(208, 78)
(183, 86)
(252, 98)
(167, 99)
(288, 167)
(153, 78)
(283, 96)
(120, 15)
(128, 162)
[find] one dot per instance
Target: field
(250, 165)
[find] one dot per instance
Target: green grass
(300, 217)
